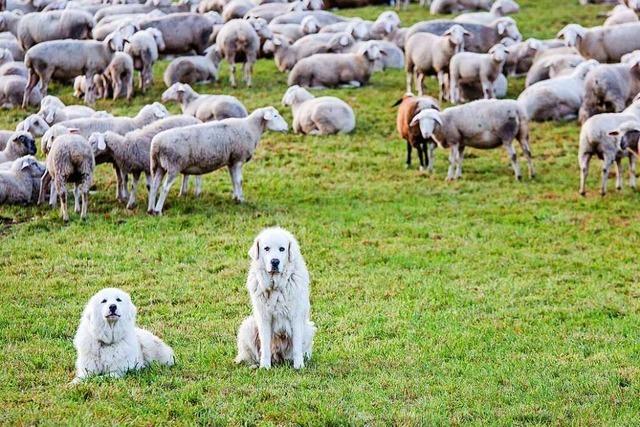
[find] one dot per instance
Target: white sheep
(200, 149)
(469, 67)
(499, 9)
(20, 184)
(53, 110)
(604, 44)
(143, 47)
(620, 14)
(204, 107)
(318, 116)
(20, 144)
(194, 69)
(34, 124)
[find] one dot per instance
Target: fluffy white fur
(279, 328)
(108, 341)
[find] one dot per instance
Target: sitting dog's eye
(103, 301)
(267, 249)
(281, 249)
(118, 299)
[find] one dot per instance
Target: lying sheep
(9, 67)
(236, 9)
(325, 115)
(268, 11)
(129, 153)
(335, 69)
(13, 92)
(408, 107)
(119, 75)
(204, 107)
(604, 44)
(293, 32)
(286, 55)
(20, 184)
(521, 56)
(66, 59)
(620, 14)
(40, 27)
(544, 68)
(126, 27)
(9, 21)
(427, 54)
(600, 136)
(241, 38)
(143, 48)
(485, 68)
(53, 110)
(358, 28)
(391, 56)
(201, 149)
(33, 124)
(482, 38)
(450, 6)
(20, 144)
(559, 98)
(182, 32)
(499, 9)
(194, 69)
(483, 124)
(323, 17)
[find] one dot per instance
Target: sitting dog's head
(274, 250)
(109, 314)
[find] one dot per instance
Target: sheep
(385, 25)
(70, 160)
(194, 69)
(483, 37)
(620, 14)
(5, 135)
(323, 17)
(40, 27)
(126, 27)
(20, 184)
(610, 88)
(204, 107)
(293, 32)
(200, 149)
(325, 115)
(408, 107)
(211, 5)
(9, 67)
(148, 7)
(391, 56)
(9, 21)
(449, 6)
(119, 74)
(20, 144)
(12, 45)
(427, 54)
(499, 9)
(472, 90)
(143, 48)
(604, 44)
(13, 92)
(287, 55)
(483, 124)
(521, 56)
(356, 27)
(559, 98)
(240, 37)
(544, 68)
(34, 124)
(236, 9)
(129, 153)
(182, 32)
(598, 137)
(268, 11)
(67, 59)
(468, 67)
(53, 110)
(335, 69)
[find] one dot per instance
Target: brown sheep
(409, 106)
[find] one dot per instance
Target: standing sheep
(119, 74)
(194, 69)
(408, 107)
(21, 183)
(182, 32)
(143, 48)
(468, 67)
(40, 27)
(200, 149)
(204, 107)
(604, 44)
(318, 116)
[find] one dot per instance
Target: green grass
(484, 301)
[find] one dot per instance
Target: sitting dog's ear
(254, 251)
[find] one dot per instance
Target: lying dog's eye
(267, 249)
(118, 299)
(103, 301)
(281, 249)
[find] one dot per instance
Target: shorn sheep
(200, 149)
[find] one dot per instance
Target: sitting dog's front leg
(264, 333)
(297, 332)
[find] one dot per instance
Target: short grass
(485, 301)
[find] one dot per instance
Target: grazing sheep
(427, 54)
(53, 110)
(240, 39)
(482, 38)
(620, 14)
(521, 56)
(143, 48)
(499, 9)
(610, 88)
(408, 107)
(293, 32)
(40, 27)
(182, 32)
(194, 69)
(483, 124)
(335, 69)
(204, 107)
(20, 184)
(34, 124)
(469, 67)
(323, 17)
(119, 74)
(325, 115)
(600, 136)
(451, 6)
(604, 44)
(559, 98)
(65, 59)
(13, 92)
(200, 149)
(20, 144)
(129, 153)
(286, 55)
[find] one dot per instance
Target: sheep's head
(428, 120)
(370, 50)
(456, 34)
(357, 28)
(115, 42)
(309, 25)
(35, 124)
(275, 43)
(98, 143)
(177, 92)
(387, 22)
(499, 53)
(340, 41)
(261, 27)
(5, 56)
(572, 34)
(273, 120)
(213, 54)
(157, 37)
(50, 136)
(507, 27)
(157, 110)
(294, 95)
(30, 165)
(627, 135)
(22, 143)
(127, 30)
(504, 7)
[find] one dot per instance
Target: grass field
(484, 301)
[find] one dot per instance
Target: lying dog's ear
(293, 250)
(254, 251)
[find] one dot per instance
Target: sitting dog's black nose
(113, 308)
(275, 262)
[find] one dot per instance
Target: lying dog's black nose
(275, 262)
(113, 308)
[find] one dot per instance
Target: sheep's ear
(415, 120)
(398, 102)
(51, 115)
(501, 28)
(467, 34)
(344, 41)
(268, 115)
(276, 41)
(254, 251)
(25, 164)
(102, 144)
(614, 133)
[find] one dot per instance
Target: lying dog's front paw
(298, 364)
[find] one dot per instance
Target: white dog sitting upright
(279, 328)
(108, 342)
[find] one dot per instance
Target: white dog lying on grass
(108, 342)
(279, 328)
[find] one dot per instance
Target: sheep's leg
(459, 162)
(147, 177)
(61, 189)
(526, 150)
(44, 182)
(248, 71)
(158, 174)
(76, 198)
(409, 78)
(632, 171)
(184, 187)
(84, 192)
(198, 185)
(129, 88)
(607, 161)
(584, 160)
(168, 182)
(441, 84)
(33, 81)
(618, 173)
(134, 188)
(430, 156)
(232, 71)
(453, 88)
(141, 81)
(53, 195)
(487, 89)
(408, 155)
(513, 158)
(453, 159)
(420, 84)
(90, 94)
(421, 156)
(121, 183)
(236, 180)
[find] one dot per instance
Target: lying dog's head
(110, 314)
(275, 249)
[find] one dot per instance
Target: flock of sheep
(590, 74)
